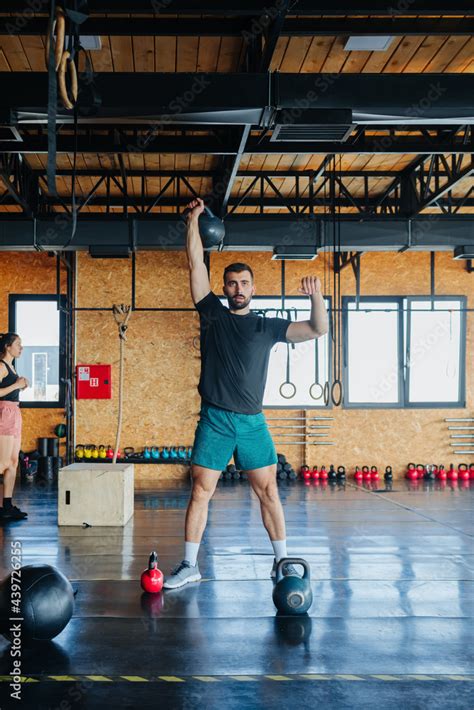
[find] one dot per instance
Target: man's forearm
(194, 248)
(319, 316)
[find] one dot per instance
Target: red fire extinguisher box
(93, 382)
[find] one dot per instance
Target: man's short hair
(237, 268)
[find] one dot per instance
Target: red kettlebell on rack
(109, 453)
(358, 474)
(152, 578)
(471, 471)
(441, 473)
(315, 473)
(305, 472)
(374, 474)
(412, 473)
(463, 472)
(452, 473)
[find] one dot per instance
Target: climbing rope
(121, 314)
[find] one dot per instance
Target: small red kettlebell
(152, 578)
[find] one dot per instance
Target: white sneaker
(181, 575)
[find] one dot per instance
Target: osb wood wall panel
(162, 279)
(161, 402)
(35, 273)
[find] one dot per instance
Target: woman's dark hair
(7, 339)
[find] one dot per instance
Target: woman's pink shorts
(10, 419)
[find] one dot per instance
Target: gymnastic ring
(288, 377)
(321, 390)
(326, 393)
(63, 92)
(196, 342)
(336, 383)
(59, 24)
(293, 390)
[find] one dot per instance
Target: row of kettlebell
(167, 452)
(90, 451)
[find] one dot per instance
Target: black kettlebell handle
(153, 561)
(207, 210)
(293, 561)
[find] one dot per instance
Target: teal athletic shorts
(221, 434)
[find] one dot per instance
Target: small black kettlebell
(211, 228)
(292, 594)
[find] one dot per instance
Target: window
(372, 353)
(404, 352)
(436, 339)
(302, 358)
(41, 326)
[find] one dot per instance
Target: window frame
(403, 353)
(13, 299)
(398, 300)
(461, 401)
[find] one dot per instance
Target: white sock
(279, 548)
(191, 550)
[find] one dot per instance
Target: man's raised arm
(198, 275)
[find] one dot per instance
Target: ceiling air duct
(313, 125)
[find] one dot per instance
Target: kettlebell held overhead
(211, 228)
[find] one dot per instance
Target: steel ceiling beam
(258, 7)
(243, 232)
(242, 27)
(165, 99)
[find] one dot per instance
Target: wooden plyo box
(95, 494)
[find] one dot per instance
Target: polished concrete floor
(391, 622)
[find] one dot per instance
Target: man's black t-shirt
(235, 351)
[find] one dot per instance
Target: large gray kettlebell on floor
(292, 594)
(211, 228)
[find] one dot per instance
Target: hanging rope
(121, 314)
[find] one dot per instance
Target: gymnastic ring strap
(316, 382)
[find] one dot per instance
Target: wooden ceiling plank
(165, 54)
(144, 54)
(14, 53)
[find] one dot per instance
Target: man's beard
(235, 305)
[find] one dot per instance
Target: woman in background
(10, 422)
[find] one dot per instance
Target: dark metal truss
(430, 182)
(306, 193)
